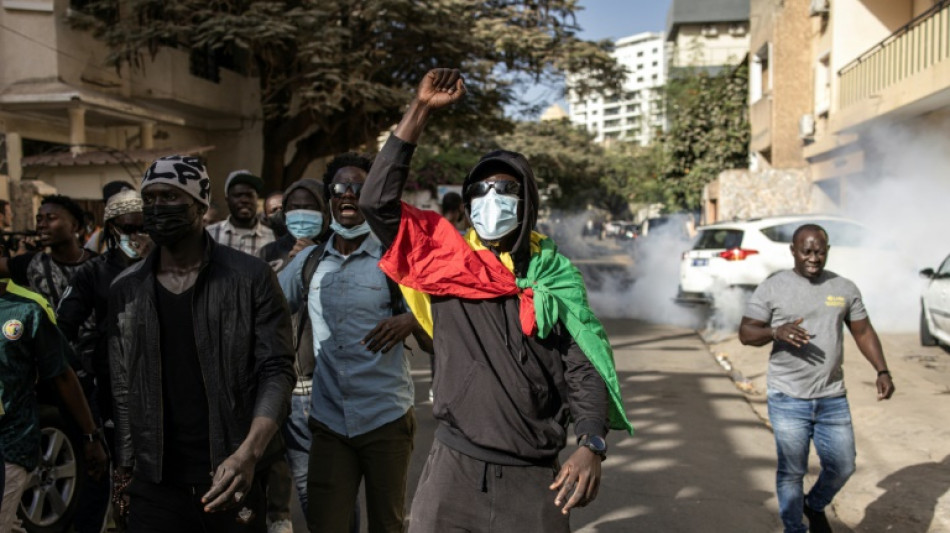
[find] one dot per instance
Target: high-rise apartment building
(637, 113)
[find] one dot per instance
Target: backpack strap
(306, 273)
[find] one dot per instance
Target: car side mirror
(927, 273)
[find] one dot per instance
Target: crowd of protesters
(221, 363)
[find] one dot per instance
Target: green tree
(334, 73)
(708, 132)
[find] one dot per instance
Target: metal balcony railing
(915, 47)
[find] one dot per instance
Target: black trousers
(170, 508)
(458, 493)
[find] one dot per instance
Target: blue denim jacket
(354, 390)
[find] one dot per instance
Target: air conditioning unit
(806, 127)
(709, 31)
(819, 7)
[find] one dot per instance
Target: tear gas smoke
(902, 198)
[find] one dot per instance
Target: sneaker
(281, 526)
(817, 521)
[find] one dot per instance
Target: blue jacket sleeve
(291, 279)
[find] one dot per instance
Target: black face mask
(167, 224)
(276, 223)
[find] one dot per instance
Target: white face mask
(350, 233)
(494, 215)
(128, 247)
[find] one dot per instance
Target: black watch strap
(594, 443)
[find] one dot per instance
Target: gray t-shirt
(814, 370)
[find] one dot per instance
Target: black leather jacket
(245, 351)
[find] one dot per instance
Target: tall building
(637, 113)
(708, 34)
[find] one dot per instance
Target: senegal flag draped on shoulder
(430, 257)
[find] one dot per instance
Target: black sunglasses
(339, 189)
(130, 229)
(481, 188)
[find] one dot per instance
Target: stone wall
(742, 194)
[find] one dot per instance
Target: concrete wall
(27, 45)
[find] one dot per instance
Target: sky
(608, 19)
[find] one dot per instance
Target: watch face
(598, 444)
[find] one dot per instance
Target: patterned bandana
(123, 203)
(185, 172)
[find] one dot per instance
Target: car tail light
(737, 254)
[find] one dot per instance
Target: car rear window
(839, 233)
(714, 239)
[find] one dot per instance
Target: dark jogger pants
(459, 493)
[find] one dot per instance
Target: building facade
(70, 122)
(881, 74)
(707, 34)
(637, 113)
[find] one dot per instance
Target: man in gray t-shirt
(801, 312)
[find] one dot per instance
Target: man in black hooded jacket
(503, 398)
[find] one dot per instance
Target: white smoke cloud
(903, 199)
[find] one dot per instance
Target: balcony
(908, 73)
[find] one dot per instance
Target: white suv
(742, 254)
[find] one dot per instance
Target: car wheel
(52, 490)
(926, 338)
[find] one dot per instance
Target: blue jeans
(297, 437)
(796, 423)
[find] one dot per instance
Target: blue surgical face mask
(304, 223)
(494, 215)
(350, 233)
(128, 247)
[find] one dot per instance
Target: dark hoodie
(500, 396)
(277, 253)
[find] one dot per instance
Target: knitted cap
(122, 203)
(185, 172)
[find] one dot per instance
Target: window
(610, 111)
(640, 79)
(760, 75)
(719, 239)
(611, 123)
(840, 233)
(640, 54)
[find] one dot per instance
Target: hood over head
(315, 188)
(514, 164)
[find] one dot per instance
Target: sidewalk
(902, 482)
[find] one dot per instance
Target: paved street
(703, 457)
(701, 460)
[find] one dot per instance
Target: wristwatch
(595, 444)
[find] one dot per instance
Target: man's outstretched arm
(382, 192)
